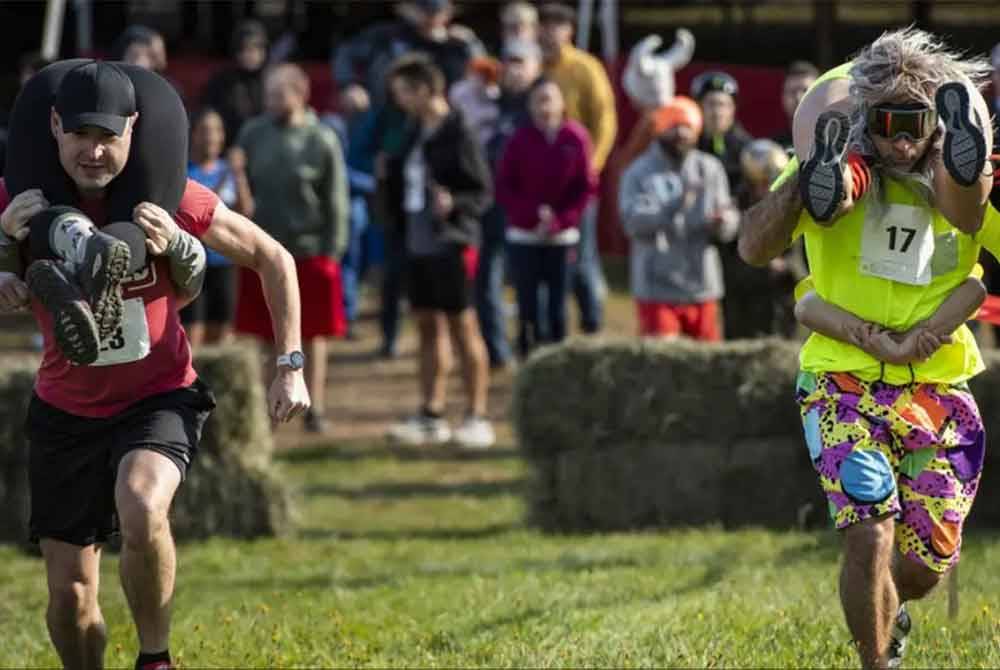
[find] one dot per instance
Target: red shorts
(321, 294)
(699, 321)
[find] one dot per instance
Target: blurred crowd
(457, 169)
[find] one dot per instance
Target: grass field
(410, 558)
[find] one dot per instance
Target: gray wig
(906, 65)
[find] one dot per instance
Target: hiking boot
(964, 149)
(105, 264)
(897, 643)
(821, 181)
(76, 333)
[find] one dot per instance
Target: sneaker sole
(822, 180)
(105, 287)
(423, 440)
(73, 324)
(964, 148)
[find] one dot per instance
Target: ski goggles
(914, 122)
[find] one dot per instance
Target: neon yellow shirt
(834, 255)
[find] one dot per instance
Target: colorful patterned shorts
(912, 451)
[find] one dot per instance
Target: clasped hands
(897, 348)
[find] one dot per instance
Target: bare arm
(918, 343)
(960, 306)
(768, 225)
(244, 243)
(826, 318)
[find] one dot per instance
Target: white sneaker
(419, 430)
(475, 433)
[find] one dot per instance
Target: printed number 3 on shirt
(130, 342)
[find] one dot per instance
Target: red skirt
(321, 294)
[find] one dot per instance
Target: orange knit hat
(679, 110)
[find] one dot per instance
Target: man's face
(92, 156)
(283, 96)
(520, 73)
(521, 31)
(901, 153)
(553, 35)
(139, 53)
(719, 110)
(793, 90)
(251, 55)
(158, 50)
(680, 139)
(411, 98)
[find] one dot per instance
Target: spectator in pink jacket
(544, 183)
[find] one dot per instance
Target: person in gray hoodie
(674, 204)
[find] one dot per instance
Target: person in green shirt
(897, 442)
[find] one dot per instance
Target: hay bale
(772, 481)
(624, 434)
(639, 391)
(232, 488)
(16, 381)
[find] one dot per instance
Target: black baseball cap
(95, 94)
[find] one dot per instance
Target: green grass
(420, 559)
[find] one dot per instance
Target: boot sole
(73, 324)
(964, 147)
(822, 180)
(105, 287)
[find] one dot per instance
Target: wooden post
(953, 593)
(825, 16)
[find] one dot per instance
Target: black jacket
(455, 161)
(731, 147)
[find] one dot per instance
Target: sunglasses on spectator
(910, 121)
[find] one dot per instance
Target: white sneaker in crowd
(420, 430)
(475, 433)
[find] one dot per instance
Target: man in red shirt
(115, 437)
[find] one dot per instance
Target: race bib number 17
(130, 342)
(898, 245)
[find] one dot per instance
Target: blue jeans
(587, 275)
(489, 286)
(352, 264)
(533, 266)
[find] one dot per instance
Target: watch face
(297, 359)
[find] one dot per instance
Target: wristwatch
(294, 360)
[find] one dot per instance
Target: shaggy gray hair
(906, 65)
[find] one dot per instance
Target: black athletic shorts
(439, 283)
(73, 461)
(217, 301)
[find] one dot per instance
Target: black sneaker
(821, 180)
(73, 323)
(900, 631)
(964, 148)
(105, 264)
